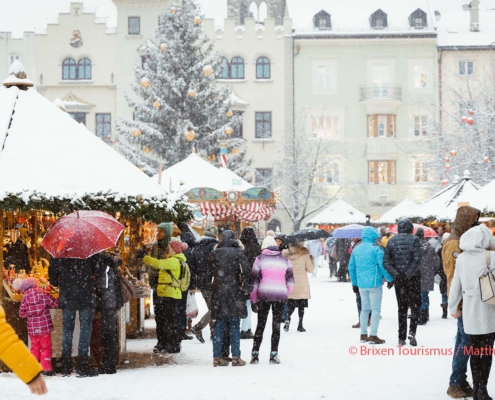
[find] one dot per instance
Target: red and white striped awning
(249, 212)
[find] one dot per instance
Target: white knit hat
(269, 241)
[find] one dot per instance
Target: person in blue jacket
(367, 274)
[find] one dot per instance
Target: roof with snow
(483, 199)
(339, 212)
(194, 172)
(405, 209)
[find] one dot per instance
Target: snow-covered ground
(315, 365)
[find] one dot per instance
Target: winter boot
(401, 343)
(66, 366)
(199, 335)
(48, 373)
(237, 362)
(274, 358)
(287, 325)
(300, 327)
(220, 362)
(249, 334)
(412, 339)
(482, 393)
(356, 326)
(363, 338)
(444, 308)
(255, 357)
(375, 340)
(427, 313)
(466, 388)
(159, 348)
(422, 317)
(83, 370)
(185, 336)
(456, 392)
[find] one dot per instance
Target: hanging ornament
(470, 112)
(464, 119)
(163, 47)
(228, 130)
(208, 70)
(470, 120)
(235, 151)
(213, 157)
(453, 153)
(136, 132)
(444, 182)
(145, 82)
(192, 93)
(447, 159)
(157, 104)
(447, 167)
(189, 134)
(229, 113)
(485, 159)
(146, 149)
(197, 20)
(174, 10)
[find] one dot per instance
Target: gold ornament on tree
(163, 47)
(192, 93)
(197, 20)
(208, 70)
(157, 104)
(189, 134)
(229, 113)
(145, 82)
(136, 132)
(229, 130)
(146, 149)
(174, 10)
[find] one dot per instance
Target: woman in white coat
(478, 317)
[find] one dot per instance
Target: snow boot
(466, 388)
(412, 339)
(249, 334)
(255, 357)
(220, 362)
(375, 340)
(422, 317)
(287, 325)
(274, 358)
(456, 392)
(401, 343)
(444, 308)
(427, 313)
(185, 336)
(237, 362)
(159, 348)
(363, 338)
(66, 366)
(300, 328)
(482, 393)
(83, 370)
(199, 335)
(356, 326)
(48, 373)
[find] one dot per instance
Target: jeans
(246, 322)
(285, 313)
(68, 324)
(408, 293)
(371, 299)
(263, 311)
(235, 337)
(41, 349)
(445, 299)
(425, 301)
(461, 358)
(482, 363)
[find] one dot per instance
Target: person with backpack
(173, 279)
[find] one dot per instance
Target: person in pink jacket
(36, 307)
(273, 281)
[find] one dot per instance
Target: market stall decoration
(338, 213)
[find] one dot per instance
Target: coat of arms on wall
(76, 40)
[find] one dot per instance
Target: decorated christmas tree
(179, 109)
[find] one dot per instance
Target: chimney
(474, 11)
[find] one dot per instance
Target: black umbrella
(307, 234)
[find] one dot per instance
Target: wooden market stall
(51, 165)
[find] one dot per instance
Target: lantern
(485, 159)
(163, 47)
(208, 70)
(228, 130)
(447, 167)
(192, 93)
(453, 153)
(470, 112)
(470, 121)
(145, 82)
(197, 20)
(229, 113)
(174, 10)
(447, 159)
(157, 104)
(136, 132)
(189, 134)
(444, 182)
(464, 119)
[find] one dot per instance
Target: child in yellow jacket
(15, 354)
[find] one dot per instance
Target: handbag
(487, 283)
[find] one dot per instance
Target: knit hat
(211, 231)
(16, 285)
(28, 284)
(269, 241)
(270, 233)
(167, 228)
(177, 245)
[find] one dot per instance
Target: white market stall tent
(484, 199)
(338, 213)
(405, 209)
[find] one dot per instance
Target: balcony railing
(383, 91)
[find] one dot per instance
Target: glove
(390, 285)
(254, 307)
(355, 289)
(140, 253)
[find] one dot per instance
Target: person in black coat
(343, 246)
(186, 237)
(75, 279)
(402, 260)
(228, 274)
(17, 254)
(203, 248)
(108, 304)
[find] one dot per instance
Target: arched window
(84, 69)
(263, 68)
(262, 13)
(69, 69)
(253, 11)
(223, 69)
(237, 68)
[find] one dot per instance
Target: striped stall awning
(249, 212)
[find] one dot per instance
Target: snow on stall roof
(7, 103)
(352, 16)
(16, 67)
(194, 172)
(406, 208)
(339, 212)
(484, 198)
(46, 151)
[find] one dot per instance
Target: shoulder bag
(487, 283)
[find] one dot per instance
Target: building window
(324, 78)
(263, 177)
(79, 117)
(14, 57)
(263, 68)
(381, 125)
(420, 172)
(84, 69)
(378, 20)
(381, 172)
(420, 76)
(263, 125)
(237, 68)
(327, 174)
(238, 131)
(325, 127)
(322, 21)
(223, 69)
(466, 67)
(104, 125)
(420, 125)
(69, 69)
(134, 25)
(418, 19)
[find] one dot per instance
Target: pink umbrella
(429, 232)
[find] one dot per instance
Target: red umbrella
(429, 232)
(82, 234)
